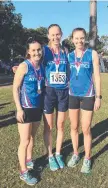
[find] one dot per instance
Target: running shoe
(73, 161)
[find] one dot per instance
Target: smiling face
(54, 35)
(35, 51)
(79, 39)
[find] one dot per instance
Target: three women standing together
(69, 84)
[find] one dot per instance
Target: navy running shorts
(56, 98)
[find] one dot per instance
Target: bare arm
(97, 80)
(96, 73)
(18, 78)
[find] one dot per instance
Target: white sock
(51, 155)
(57, 153)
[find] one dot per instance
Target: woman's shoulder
(90, 50)
(23, 64)
(46, 48)
(71, 54)
(22, 68)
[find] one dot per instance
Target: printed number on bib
(57, 79)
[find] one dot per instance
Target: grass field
(68, 177)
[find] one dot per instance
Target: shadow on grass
(39, 165)
(3, 117)
(96, 142)
(99, 132)
(1, 107)
(105, 148)
(3, 104)
(9, 121)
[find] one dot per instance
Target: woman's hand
(97, 104)
(20, 116)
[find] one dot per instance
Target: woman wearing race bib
(27, 91)
(56, 94)
(82, 95)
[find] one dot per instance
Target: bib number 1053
(57, 79)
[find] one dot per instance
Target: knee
(74, 128)
(86, 131)
(24, 143)
(60, 126)
(47, 128)
(32, 137)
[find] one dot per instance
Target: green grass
(66, 178)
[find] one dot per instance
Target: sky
(68, 15)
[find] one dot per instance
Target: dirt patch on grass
(6, 86)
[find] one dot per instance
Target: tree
(104, 40)
(13, 36)
(42, 34)
(93, 23)
(68, 44)
(10, 29)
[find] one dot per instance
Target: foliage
(13, 36)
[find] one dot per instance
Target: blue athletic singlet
(51, 69)
(81, 82)
(29, 96)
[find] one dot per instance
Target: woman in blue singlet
(56, 93)
(84, 63)
(28, 95)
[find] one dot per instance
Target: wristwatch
(99, 96)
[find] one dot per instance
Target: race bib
(57, 78)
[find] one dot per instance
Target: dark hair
(31, 40)
(54, 25)
(78, 29)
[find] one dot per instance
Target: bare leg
(86, 129)
(48, 124)
(35, 126)
(74, 119)
(25, 132)
(60, 130)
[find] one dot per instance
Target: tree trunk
(93, 23)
